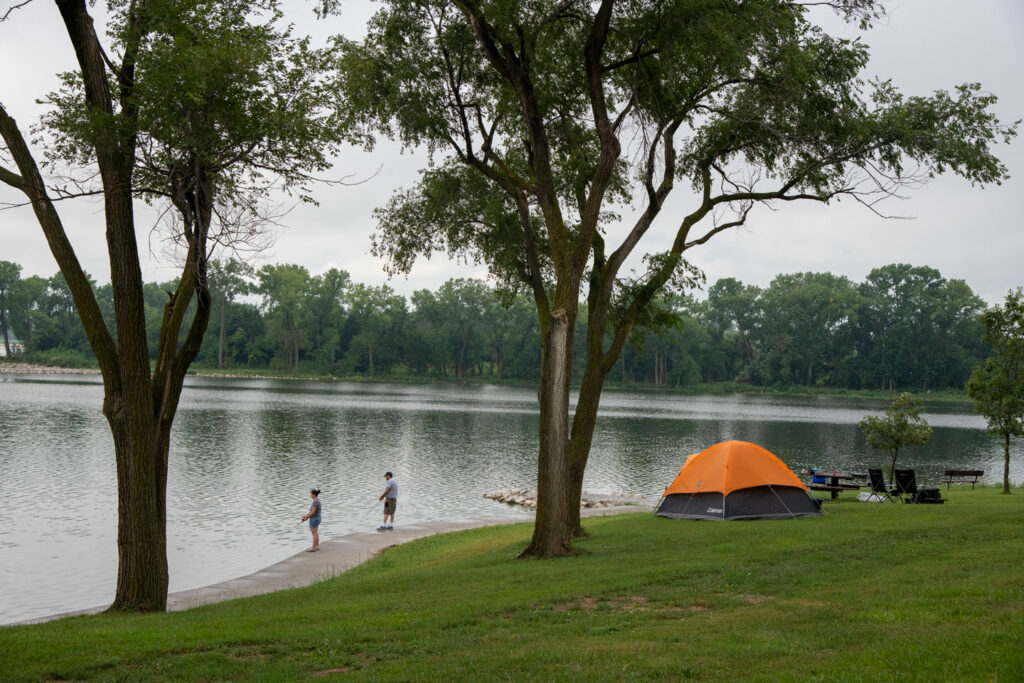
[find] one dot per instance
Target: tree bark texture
(553, 527)
(142, 576)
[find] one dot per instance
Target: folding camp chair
(878, 485)
(908, 491)
(905, 485)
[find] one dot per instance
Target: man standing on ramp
(390, 498)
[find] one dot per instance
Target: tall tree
(427, 351)
(59, 328)
(26, 317)
(509, 325)
(227, 280)
(908, 319)
(997, 387)
(10, 282)
(462, 305)
(378, 314)
(546, 117)
(731, 305)
(203, 105)
(327, 317)
(285, 289)
(804, 321)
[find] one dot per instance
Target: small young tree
(902, 425)
(998, 388)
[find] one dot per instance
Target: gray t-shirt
(391, 489)
(317, 507)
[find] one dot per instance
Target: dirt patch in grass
(616, 603)
(359, 662)
(341, 670)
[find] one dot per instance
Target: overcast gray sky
(965, 232)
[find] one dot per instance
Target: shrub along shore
(866, 592)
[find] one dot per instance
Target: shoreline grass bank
(943, 397)
(867, 592)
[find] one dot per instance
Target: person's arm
(309, 514)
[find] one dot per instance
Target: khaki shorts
(389, 505)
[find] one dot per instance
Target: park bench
(962, 477)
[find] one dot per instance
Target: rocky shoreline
(527, 498)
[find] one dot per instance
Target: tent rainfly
(736, 480)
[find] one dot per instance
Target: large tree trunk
(139, 401)
(553, 526)
(142, 455)
(583, 424)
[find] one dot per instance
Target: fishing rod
(367, 510)
(274, 540)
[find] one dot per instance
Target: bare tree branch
(12, 8)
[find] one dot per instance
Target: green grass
(868, 592)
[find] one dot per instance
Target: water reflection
(246, 452)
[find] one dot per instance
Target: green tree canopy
(997, 387)
(10, 281)
(545, 119)
(902, 425)
(378, 314)
(227, 280)
(204, 104)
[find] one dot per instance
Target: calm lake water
(246, 452)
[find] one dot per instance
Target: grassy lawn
(868, 592)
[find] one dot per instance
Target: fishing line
(275, 540)
(367, 511)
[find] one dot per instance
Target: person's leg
(316, 538)
(312, 533)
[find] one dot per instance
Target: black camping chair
(908, 491)
(878, 485)
(905, 488)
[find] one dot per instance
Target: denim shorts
(314, 522)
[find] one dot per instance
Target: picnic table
(836, 482)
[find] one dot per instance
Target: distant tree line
(902, 327)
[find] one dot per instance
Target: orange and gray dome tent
(736, 480)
